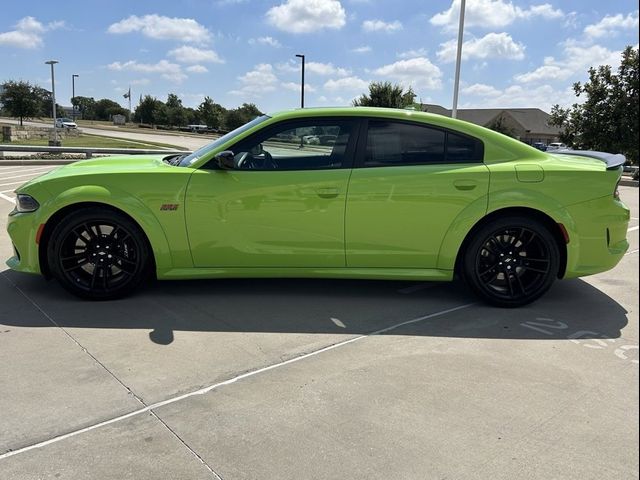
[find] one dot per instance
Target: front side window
(392, 143)
(301, 145)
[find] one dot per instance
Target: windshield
(189, 159)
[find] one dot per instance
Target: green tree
(499, 125)
(241, 115)
(145, 111)
(20, 99)
(211, 113)
(86, 106)
(385, 94)
(175, 114)
(608, 118)
(105, 109)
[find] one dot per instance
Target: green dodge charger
(329, 193)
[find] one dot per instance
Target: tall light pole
(302, 83)
(456, 82)
(73, 94)
(53, 98)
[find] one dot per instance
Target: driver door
(283, 203)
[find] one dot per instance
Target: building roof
(532, 120)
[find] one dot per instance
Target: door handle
(465, 184)
(327, 192)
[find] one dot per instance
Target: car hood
(106, 165)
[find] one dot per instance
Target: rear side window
(392, 143)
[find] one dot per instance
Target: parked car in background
(396, 194)
(540, 146)
(65, 123)
(556, 146)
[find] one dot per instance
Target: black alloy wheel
(98, 254)
(511, 261)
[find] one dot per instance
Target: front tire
(98, 254)
(511, 261)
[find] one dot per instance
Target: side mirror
(225, 160)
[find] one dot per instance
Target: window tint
(396, 143)
(305, 145)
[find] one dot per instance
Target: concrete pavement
(263, 379)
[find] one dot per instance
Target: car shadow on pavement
(308, 306)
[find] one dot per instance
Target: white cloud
(270, 41)
(491, 14)
(197, 69)
(305, 16)
(480, 89)
(381, 26)
(363, 49)
(288, 67)
(28, 33)
(163, 28)
(326, 69)
(416, 72)
(420, 52)
(188, 54)
(612, 24)
(577, 60)
(169, 71)
(257, 81)
(492, 45)
(346, 84)
(518, 96)
(295, 87)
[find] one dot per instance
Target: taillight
(616, 191)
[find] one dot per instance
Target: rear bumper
(598, 236)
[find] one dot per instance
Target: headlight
(26, 203)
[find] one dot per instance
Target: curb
(628, 182)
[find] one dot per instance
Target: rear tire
(511, 261)
(98, 254)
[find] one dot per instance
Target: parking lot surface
(315, 379)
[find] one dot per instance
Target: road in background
(191, 142)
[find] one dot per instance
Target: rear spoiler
(613, 160)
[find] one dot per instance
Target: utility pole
(302, 83)
(73, 93)
(53, 98)
(456, 82)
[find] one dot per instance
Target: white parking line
(631, 252)
(633, 229)
(32, 175)
(8, 199)
(215, 386)
(5, 171)
(19, 182)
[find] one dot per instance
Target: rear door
(410, 182)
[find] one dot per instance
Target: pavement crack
(74, 340)
(186, 445)
(115, 377)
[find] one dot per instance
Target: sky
(516, 53)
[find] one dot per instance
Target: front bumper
(598, 236)
(22, 229)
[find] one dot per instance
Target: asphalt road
(192, 142)
(311, 379)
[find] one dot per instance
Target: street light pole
(302, 84)
(53, 98)
(73, 93)
(456, 82)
